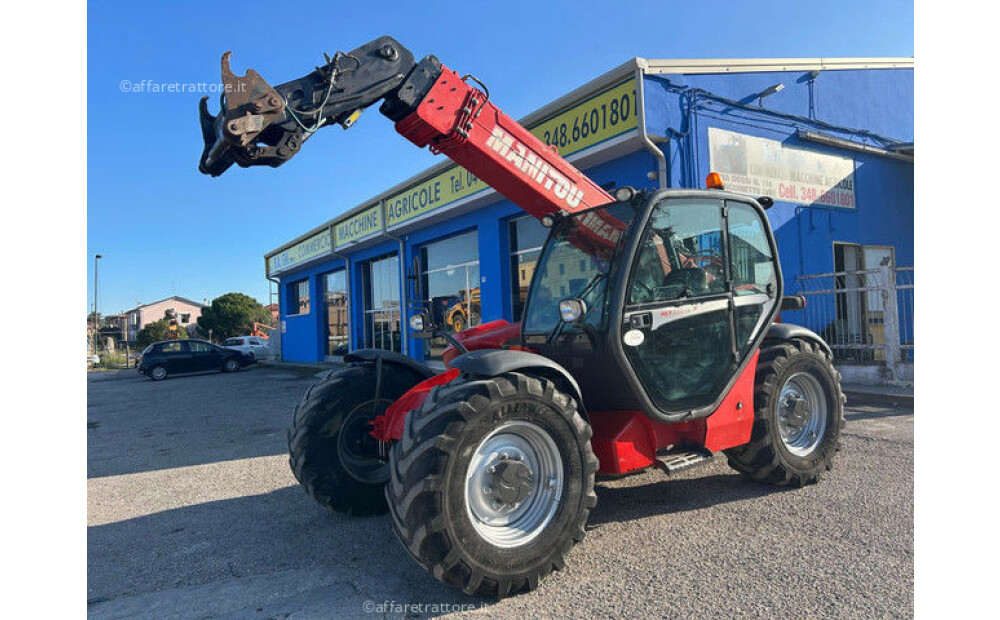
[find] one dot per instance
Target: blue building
(831, 140)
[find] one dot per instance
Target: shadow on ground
(618, 504)
(277, 552)
(138, 425)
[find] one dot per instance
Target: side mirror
(793, 302)
(572, 310)
(420, 323)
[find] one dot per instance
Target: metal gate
(866, 316)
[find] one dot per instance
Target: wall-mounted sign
(359, 227)
(602, 117)
(439, 190)
(317, 245)
(762, 167)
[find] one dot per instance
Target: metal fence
(866, 316)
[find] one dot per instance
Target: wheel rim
(802, 413)
(231, 365)
(357, 450)
(514, 484)
(159, 372)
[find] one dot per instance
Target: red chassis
(623, 441)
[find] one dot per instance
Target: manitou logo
(534, 166)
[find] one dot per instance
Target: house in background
(186, 311)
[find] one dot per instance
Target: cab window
(751, 258)
(753, 273)
(680, 255)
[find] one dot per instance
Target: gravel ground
(192, 512)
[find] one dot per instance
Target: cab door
(693, 310)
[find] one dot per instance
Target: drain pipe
(404, 324)
(640, 95)
(277, 285)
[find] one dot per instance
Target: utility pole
(96, 322)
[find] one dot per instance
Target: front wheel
(231, 365)
(799, 413)
(492, 482)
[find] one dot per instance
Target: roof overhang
(692, 66)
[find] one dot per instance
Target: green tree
(157, 331)
(232, 314)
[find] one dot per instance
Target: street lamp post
(96, 321)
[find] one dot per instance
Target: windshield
(233, 342)
(576, 262)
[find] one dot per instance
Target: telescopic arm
(431, 105)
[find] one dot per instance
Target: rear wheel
(492, 482)
(332, 454)
(798, 418)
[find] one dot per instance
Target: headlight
(624, 194)
(417, 322)
(571, 310)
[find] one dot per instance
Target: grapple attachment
(261, 125)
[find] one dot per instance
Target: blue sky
(164, 229)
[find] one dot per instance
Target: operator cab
(656, 302)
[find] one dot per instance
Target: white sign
(762, 167)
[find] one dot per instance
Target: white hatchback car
(253, 346)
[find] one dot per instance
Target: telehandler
(666, 353)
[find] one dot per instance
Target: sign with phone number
(602, 117)
(762, 167)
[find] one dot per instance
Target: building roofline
(177, 297)
(651, 66)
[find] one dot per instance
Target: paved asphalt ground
(193, 513)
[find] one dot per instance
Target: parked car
(172, 357)
(254, 346)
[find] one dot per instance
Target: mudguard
(787, 331)
(390, 357)
(494, 362)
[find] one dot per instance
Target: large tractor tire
(799, 414)
(332, 454)
(492, 482)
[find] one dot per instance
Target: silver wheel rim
(517, 459)
(159, 373)
(231, 365)
(802, 414)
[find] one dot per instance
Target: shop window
(382, 305)
(527, 236)
(298, 297)
(335, 312)
(449, 281)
